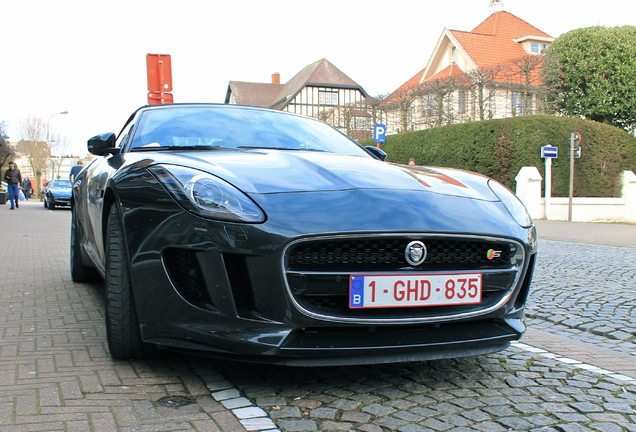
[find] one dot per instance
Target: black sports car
(57, 193)
(260, 235)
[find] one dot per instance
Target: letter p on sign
(379, 133)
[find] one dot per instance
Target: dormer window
(537, 48)
(534, 44)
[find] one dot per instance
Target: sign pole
(575, 152)
(571, 177)
(548, 186)
(547, 153)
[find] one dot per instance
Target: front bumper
(58, 201)
(231, 291)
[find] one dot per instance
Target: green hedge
(500, 148)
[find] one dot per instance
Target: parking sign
(379, 133)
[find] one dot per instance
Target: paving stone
(60, 377)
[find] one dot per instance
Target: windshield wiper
(280, 148)
(186, 147)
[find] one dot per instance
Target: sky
(88, 57)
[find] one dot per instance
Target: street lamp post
(48, 135)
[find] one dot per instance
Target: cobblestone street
(574, 370)
(581, 292)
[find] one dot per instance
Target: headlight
(513, 204)
(206, 195)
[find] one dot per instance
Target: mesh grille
(317, 270)
(186, 275)
(387, 254)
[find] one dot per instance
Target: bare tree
(346, 115)
(33, 134)
(443, 91)
(6, 152)
(374, 105)
(326, 115)
(402, 102)
(58, 144)
(528, 69)
(484, 88)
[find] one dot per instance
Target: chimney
(276, 78)
(495, 6)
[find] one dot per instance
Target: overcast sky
(89, 58)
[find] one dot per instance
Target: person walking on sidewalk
(75, 170)
(13, 177)
(27, 188)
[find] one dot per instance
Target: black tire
(122, 325)
(51, 206)
(45, 203)
(79, 271)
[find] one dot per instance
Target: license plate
(413, 290)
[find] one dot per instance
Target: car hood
(276, 171)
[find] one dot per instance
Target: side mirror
(378, 153)
(103, 144)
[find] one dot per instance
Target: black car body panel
(276, 289)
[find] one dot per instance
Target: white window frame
(328, 97)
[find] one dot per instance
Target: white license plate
(413, 290)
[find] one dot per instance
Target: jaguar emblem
(415, 253)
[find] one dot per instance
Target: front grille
(318, 270)
(388, 254)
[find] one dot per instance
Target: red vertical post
(159, 74)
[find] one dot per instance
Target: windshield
(60, 183)
(198, 127)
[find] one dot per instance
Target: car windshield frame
(239, 128)
(59, 183)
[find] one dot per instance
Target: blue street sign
(379, 133)
(549, 152)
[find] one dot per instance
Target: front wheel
(122, 325)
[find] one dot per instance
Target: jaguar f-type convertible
(263, 236)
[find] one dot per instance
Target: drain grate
(174, 401)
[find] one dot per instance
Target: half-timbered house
(319, 90)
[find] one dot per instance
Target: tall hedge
(500, 148)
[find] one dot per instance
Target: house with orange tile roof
(319, 90)
(492, 71)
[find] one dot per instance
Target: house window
(327, 97)
(429, 104)
(517, 104)
(461, 102)
(536, 48)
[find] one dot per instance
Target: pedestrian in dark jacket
(13, 178)
(75, 170)
(27, 188)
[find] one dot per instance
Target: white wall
(621, 209)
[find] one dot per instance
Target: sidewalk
(606, 234)
(609, 234)
(55, 370)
